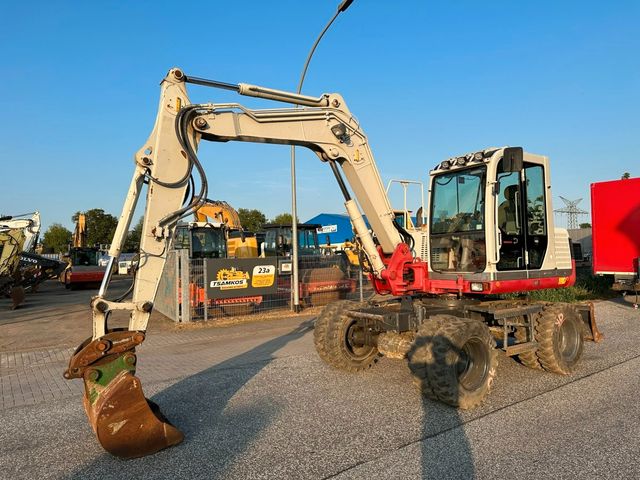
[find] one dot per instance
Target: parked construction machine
(83, 269)
(240, 244)
(21, 269)
(11, 243)
(29, 223)
(490, 231)
(217, 232)
(323, 278)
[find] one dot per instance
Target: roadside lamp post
(295, 305)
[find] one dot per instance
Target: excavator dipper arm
(125, 423)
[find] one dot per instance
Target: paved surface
(254, 401)
(55, 316)
(66, 300)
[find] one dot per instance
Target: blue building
(336, 227)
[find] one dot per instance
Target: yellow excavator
(240, 244)
(435, 286)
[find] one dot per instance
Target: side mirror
(512, 159)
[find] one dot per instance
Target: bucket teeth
(126, 423)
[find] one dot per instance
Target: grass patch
(587, 287)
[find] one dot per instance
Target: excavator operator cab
(278, 240)
(83, 256)
(202, 241)
(489, 212)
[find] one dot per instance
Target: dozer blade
(126, 423)
(588, 314)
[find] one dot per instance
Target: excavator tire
(528, 359)
(454, 361)
(332, 333)
(559, 333)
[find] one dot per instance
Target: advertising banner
(240, 277)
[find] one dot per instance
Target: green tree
(284, 218)
(251, 220)
(132, 243)
(626, 176)
(56, 238)
(585, 225)
(100, 226)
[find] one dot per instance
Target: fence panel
(322, 280)
(166, 301)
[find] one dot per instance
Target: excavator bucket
(126, 423)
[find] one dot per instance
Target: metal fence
(209, 289)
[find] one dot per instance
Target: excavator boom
(106, 361)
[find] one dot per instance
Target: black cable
(406, 236)
(187, 174)
(182, 123)
(182, 133)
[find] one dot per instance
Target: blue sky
(426, 79)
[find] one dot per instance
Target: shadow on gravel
(215, 434)
(445, 449)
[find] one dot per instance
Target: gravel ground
(260, 404)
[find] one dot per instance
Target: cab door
(521, 218)
(510, 215)
(536, 238)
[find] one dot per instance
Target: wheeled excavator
(435, 305)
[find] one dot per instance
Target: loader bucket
(126, 423)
